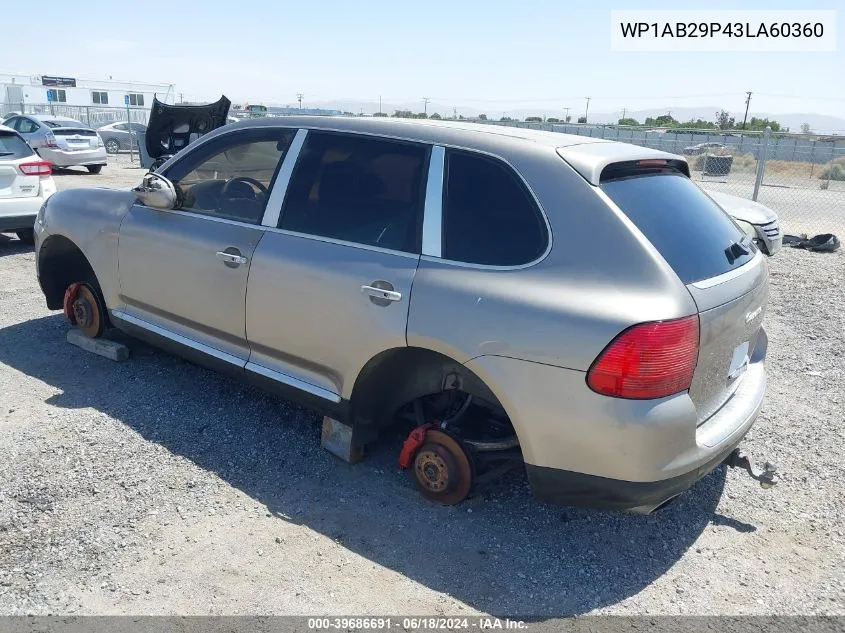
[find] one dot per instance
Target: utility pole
(566, 118)
(299, 96)
(379, 103)
(425, 105)
(454, 113)
(747, 103)
(586, 112)
(624, 112)
(181, 99)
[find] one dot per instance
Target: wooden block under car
(100, 346)
(336, 438)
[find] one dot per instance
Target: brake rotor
(442, 469)
(86, 312)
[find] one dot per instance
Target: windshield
(692, 233)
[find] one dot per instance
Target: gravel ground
(157, 487)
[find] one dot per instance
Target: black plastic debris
(822, 243)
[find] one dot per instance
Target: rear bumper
(19, 213)
(577, 489)
(581, 448)
(67, 158)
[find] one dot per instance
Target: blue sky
(494, 56)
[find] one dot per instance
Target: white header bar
(720, 31)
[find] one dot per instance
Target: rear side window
(358, 189)
(691, 232)
(488, 215)
(13, 147)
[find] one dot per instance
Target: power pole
(379, 103)
(586, 112)
(624, 112)
(299, 96)
(454, 113)
(565, 120)
(747, 103)
(425, 105)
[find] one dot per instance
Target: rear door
(721, 268)
(183, 272)
(330, 287)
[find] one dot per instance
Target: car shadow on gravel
(13, 246)
(500, 552)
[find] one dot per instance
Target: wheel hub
(432, 471)
(83, 313)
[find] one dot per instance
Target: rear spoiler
(596, 161)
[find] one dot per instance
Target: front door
(183, 273)
(329, 287)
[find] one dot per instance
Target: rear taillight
(50, 140)
(649, 360)
(36, 168)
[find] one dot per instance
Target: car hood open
(173, 127)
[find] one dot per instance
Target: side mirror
(157, 192)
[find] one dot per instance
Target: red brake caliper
(412, 444)
(70, 297)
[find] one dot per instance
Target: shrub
(834, 170)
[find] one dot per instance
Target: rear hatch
(721, 267)
(13, 152)
(74, 139)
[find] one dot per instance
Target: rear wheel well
(61, 263)
(398, 376)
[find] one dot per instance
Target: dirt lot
(157, 487)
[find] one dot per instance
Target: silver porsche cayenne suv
(575, 304)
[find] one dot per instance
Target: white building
(19, 90)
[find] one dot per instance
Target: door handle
(380, 293)
(232, 258)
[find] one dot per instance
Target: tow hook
(767, 475)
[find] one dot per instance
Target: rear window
(690, 231)
(13, 146)
(64, 123)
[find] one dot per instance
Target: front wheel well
(398, 376)
(61, 263)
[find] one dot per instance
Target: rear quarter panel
(90, 218)
(598, 278)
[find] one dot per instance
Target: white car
(26, 181)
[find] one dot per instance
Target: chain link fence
(93, 115)
(799, 176)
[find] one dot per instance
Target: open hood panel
(173, 127)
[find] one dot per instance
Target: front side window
(100, 97)
(231, 176)
(358, 189)
(489, 217)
